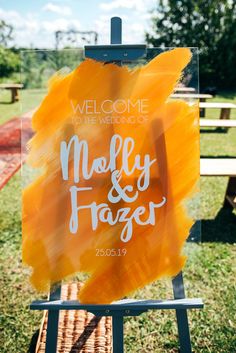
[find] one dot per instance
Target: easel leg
(183, 331)
(52, 331)
(53, 320)
(118, 334)
(182, 316)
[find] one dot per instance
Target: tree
(209, 25)
(5, 33)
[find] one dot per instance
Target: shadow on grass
(221, 229)
(33, 342)
(3, 102)
(218, 130)
(222, 156)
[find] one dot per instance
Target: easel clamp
(115, 52)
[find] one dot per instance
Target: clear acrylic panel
(110, 168)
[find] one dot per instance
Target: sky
(35, 21)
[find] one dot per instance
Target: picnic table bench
(14, 88)
(225, 123)
(184, 89)
(222, 167)
(225, 108)
(201, 96)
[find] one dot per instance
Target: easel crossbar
(124, 307)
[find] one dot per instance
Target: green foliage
(31, 69)
(9, 62)
(210, 26)
(38, 65)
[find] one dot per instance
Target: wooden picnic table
(222, 167)
(201, 96)
(14, 88)
(225, 108)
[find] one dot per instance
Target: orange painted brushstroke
(170, 134)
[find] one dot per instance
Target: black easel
(116, 52)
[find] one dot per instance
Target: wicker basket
(79, 330)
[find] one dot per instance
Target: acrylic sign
(117, 159)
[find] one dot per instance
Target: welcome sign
(116, 161)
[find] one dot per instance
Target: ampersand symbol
(121, 192)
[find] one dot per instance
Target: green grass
(209, 273)
(28, 100)
(17, 324)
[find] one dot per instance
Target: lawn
(28, 100)
(209, 273)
